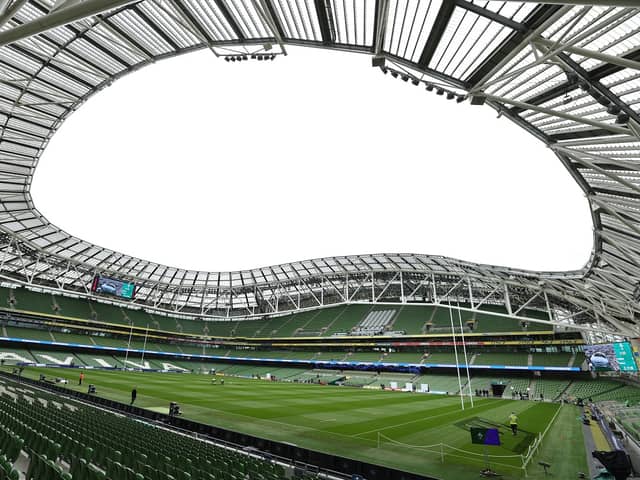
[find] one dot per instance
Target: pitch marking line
(414, 421)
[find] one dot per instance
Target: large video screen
(111, 286)
(616, 357)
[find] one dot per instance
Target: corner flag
(485, 436)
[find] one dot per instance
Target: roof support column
(325, 19)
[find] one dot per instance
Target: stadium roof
(568, 74)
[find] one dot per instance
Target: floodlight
(415, 81)
(394, 74)
(461, 98)
(613, 109)
(377, 62)
(584, 86)
(572, 77)
(429, 88)
(440, 91)
(622, 118)
(405, 78)
(450, 96)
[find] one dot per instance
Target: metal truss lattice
(569, 74)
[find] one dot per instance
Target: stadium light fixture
(572, 77)
(415, 81)
(585, 87)
(246, 56)
(450, 96)
(429, 88)
(613, 109)
(439, 91)
(378, 61)
(622, 118)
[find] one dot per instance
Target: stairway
(532, 388)
(561, 394)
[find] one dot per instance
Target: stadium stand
(439, 322)
(359, 379)
(362, 356)
(346, 318)
(95, 360)
(591, 388)
(400, 357)
(29, 333)
(318, 323)
(70, 307)
(374, 323)
(444, 357)
(24, 299)
(440, 383)
(289, 325)
(411, 319)
(551, 359)
(623, 393)
(12, 355)
(483, 358)
(550, 389)
(72, 338)
(58, 358)
(332, 321)
(48, 433)
(512, 384)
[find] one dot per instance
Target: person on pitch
(81, 378)
(513, 423)
(134, 394)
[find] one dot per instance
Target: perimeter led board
(111, 286)
(611, 356)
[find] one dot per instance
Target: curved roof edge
(567, 74)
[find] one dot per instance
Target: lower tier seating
(72, 441)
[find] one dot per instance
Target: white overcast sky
(199, 163)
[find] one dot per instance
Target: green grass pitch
(382, 427)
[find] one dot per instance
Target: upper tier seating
(410, 319)
(487, 358)
(375, 323)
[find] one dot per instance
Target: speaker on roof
(378, 61)
(478, 99)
